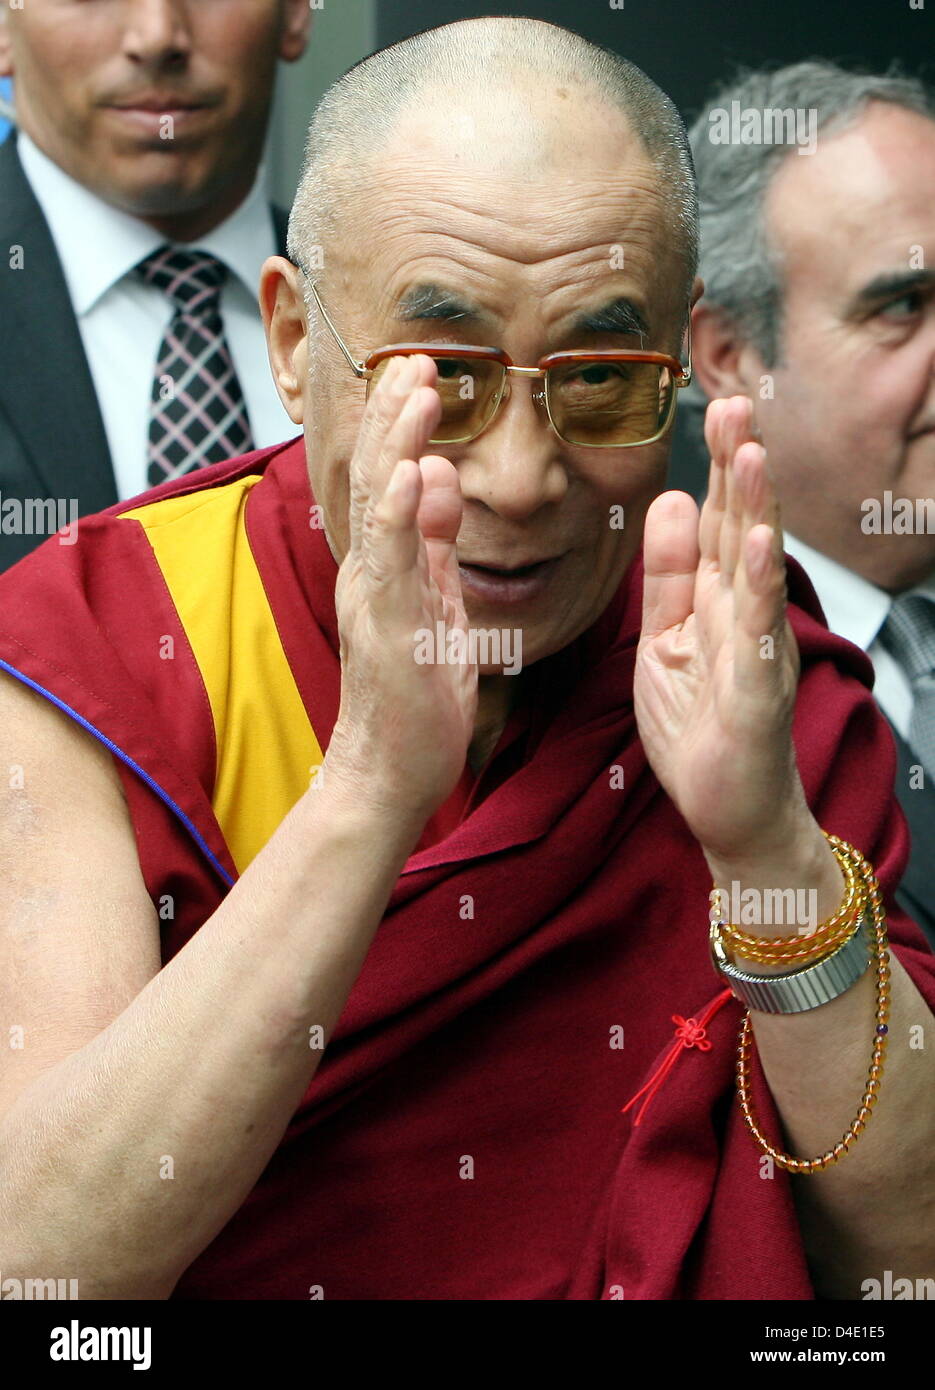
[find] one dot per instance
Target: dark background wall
(689, 47)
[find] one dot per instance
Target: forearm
(875, 1208)
(201, 1074)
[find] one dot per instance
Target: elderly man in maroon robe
(375, 1034)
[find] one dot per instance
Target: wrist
(782, 887)
(790, 837)
(359, 797)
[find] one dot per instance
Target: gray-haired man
(817, 258)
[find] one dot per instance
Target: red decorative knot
(689, 1032)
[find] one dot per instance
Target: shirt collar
(111, 242)
(854, 608)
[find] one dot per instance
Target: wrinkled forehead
(517, 209)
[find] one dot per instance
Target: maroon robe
(463, 1137)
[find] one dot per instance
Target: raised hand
(717, 664)
(403, 728)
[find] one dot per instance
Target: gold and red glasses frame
(681, 375)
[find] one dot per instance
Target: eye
(904, 307)
(596, 374)
(599, 373)
(449, 366)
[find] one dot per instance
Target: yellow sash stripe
(265, 743)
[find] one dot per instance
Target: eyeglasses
(604, 400)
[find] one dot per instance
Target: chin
(532, 647)
(153, 180)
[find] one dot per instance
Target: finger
(384, 437)
(404, 440)
(712, 425)
(735, 431)
(390, 549)
(670, 562)
(756, 492)
(719, 428)
(380, 412)
(440, 513)
(715, 503)
(759, 581)
(407, 436)
(772, 512)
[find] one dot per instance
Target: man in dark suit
(820, 306)
(133, 224)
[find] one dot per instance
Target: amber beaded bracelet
(869, 1098)
(776, 950)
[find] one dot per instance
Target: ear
(6, 46)
(725, 363)
(296, 25)
(283, 310)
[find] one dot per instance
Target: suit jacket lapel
(917, 891)
(45, 383)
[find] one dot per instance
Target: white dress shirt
(857, 610)
(122, 319)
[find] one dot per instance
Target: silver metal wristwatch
(805, 988)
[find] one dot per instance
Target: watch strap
(808, 987)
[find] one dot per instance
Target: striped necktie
(909, 634)
(197, 411)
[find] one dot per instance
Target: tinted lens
(469, 392)
(610, 402)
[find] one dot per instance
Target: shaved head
(470, 95)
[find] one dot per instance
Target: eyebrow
(618, 315)
(892, 284)
(428, 301)
(432, 302)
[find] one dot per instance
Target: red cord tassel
(689, 1032)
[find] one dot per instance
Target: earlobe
(283, 311)
(6, 50)
(297, 23)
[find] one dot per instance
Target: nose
(516, 466)
(157, 30)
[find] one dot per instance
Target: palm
(454, 685)
(407, 711)
(717, 664)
